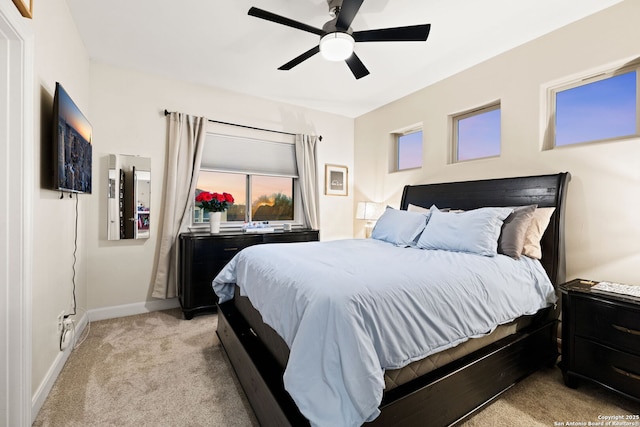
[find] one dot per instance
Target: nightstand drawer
(618, 370)
(608, 323)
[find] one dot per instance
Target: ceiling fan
(337, 38)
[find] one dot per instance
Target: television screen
(72, 145)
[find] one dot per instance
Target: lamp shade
(336, 46)
(368, 210)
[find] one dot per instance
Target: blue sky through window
(410, 150)
(479, 136)
(600, 110)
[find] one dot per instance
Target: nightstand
(600, 338)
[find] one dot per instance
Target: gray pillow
(514, 230)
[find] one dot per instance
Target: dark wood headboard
(541, 190)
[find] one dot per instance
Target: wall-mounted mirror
(129, 197)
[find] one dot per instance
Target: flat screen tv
(71, 145)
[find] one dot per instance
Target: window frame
(228, 135)
(237, 225)
(549, 141)
(454, 126)
(295, 194)
(395, 165)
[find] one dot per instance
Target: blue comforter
(349, 309)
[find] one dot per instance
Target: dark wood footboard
(452, 393)
(444, 397)
(257, 370)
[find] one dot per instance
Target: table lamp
(370, 212)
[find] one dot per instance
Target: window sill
(198, 227)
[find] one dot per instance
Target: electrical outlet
(60, 320)
(68, 333)
(67, 324)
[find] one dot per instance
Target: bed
(442, 388)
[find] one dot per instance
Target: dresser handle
(626, 373)
(235, 249)
(627, 330)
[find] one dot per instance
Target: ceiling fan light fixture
(336, 46)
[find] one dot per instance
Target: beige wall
(59, 56)
(127, 116)
(603, 232)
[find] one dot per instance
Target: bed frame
(452, 392)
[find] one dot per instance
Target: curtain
(306, 155)
(186, 139)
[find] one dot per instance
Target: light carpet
(157, 369)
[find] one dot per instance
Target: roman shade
(246, 155)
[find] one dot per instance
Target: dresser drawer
(617, 369)
(608, 323)
(221, 249)
(305, 236)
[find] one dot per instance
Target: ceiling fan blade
(356, 66)
(414, 33)
(263, 14)
(348, 11)
(308, 54)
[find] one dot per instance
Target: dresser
(203, 255)
(600, 338)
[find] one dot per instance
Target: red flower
(214, 202)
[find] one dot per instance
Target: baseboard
(92, 315)
(132, 309)
(47, 384)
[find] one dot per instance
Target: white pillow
(416, 208)
(537, 227)
(475, 231)
(399, 227)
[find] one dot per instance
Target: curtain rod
(166, 113)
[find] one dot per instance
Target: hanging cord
(75, 259)
(73, 281)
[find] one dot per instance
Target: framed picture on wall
(25, 7)
(335, 180)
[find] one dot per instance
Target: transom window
(476, 133)
(408, 150)
(604, 107)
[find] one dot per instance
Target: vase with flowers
(214, 204)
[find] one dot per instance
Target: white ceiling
(216, 43)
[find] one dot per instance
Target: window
(476, 134)
(408, 150)
(601, 108)
(217, 182)
(271, 196)
(261, 176)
